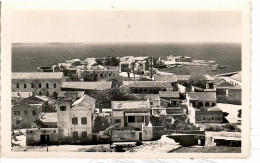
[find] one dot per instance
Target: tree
(108, 61)
(100, 123)
(38, 122)
(114, 94)
(100, 61)
(198, 81)
(109, 132)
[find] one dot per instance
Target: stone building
(201, 99)
(131, 113)
(210, 115)
(40, 83)
(75, 120)
(170, 78)
(99, 72)
(169, 98)
(25, 111)
(133, 119)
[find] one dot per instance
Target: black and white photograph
(129, 82)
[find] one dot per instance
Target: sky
(126, 26)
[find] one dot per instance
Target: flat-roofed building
(131, 113)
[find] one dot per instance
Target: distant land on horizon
(26, 57)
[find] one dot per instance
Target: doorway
(45, 139)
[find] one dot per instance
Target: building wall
(147, 90)
(103, 74)
(154, 103)
(206, 116)
(170, 102)
(231, 96)
(64, 119)
(234, 96)
(34, 136)
(26, 120)
(81, 112)
(37, 90)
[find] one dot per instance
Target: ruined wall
(209, 117)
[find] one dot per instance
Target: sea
(26, 57)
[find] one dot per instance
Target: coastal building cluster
(110, 99)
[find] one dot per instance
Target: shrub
(214, 128)
(231, 127)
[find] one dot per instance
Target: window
(40, 85)
(140, 119)
(54, 85)
(203, 118)
(25, 112)
(17, 85)
(118, 120)
(74, 121)
(131, 119)
(18, 122)
(47, 85)
(151, 104)
(84, 120)
(24, 85)
(84, 135)
(40, 93)
(33, 112)
(32, 85)
(16, 112)
(75, 135)
(101, 75)
(213, 118)
(62, 108)
(54, 131)
(207, 104)
(213, 104)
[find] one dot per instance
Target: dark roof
(173, 94)
(169, 78)
(86, 85)
(203, 96)
(37, 75)
(149, 84)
